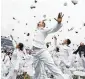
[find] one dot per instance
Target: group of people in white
(57, 61)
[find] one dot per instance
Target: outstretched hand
(59, 18)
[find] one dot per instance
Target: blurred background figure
(62, 57)
(81, 52)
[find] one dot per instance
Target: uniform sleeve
(14, 43)
(55, 42)
(53, 26)
(76, 51)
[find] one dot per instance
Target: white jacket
(66, 54)
(7, 61)
(17, 59)
(41, 34)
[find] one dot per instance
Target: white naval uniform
(5, 65)
(28, 65)
(65, 56)
(53, 51)
(2, 64)
(65, 53)
(52, 47)
(16, 64)
(41, 56)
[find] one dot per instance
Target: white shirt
(41, 34)
(66, 54)
(7, 61)
(53, 45)
(64, 50)
(17, 58)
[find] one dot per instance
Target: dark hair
(21, 46)
(5, 51)
(57, 49)
(44, 24)
(68, 41)
(47, 45)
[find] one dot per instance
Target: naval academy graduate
(41, 56)
(17, 61)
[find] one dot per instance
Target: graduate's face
(81, 44)
(41, 24)
(17, 46)
(65, 41)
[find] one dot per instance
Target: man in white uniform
(41, 56)
(53, 47)
(65, 50)
(64, 57)
(5, 65)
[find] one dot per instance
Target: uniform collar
(40, 28)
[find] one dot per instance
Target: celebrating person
(41, 56)
(81, 51)
(17, 61)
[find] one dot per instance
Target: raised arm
(76, 51)
(55, 24)
(13, 41)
